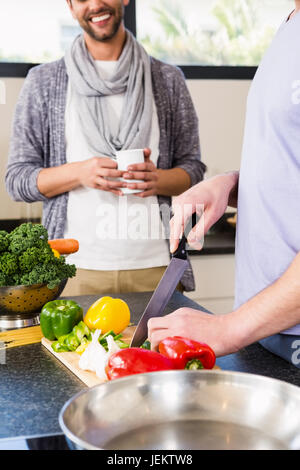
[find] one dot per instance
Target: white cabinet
(214, 276)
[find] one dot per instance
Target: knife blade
(162, 293)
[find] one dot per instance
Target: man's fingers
(108, 190)
(108, 173)
(140, 175)
(146, 166)
(158, 329)
(157, 336)
(183, 211)
(105, 162)
(196, 235)
(103, 183)
(140, 186)
(176, 232)
(157, 323)
(143, 194)
(112, 184)
(147, 153)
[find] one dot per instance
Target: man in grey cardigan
(72, 116)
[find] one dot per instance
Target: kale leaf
(26, 258)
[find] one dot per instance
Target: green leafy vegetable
(4, 241)
(26, 236)
(8, 263)
(26, 258)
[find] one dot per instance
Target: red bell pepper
(136, 361)
(187, 354)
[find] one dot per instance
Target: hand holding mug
(96, 172)
(146, 175)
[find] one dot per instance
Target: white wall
(220, 105)
(8, 208)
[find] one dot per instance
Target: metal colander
(23, 301)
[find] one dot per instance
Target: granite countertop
(34, 385)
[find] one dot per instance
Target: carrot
(64, 246)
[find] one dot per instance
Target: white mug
(126, 158)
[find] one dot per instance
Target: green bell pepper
(58, 347)
(121, 344)
(71, 342)
(117, 340)
(82, 330)
(58, 318)
(62, 340)
(79, 336)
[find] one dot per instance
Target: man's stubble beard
(118, 18)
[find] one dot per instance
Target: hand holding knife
(163, 292)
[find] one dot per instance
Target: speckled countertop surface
(34, 385)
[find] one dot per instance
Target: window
(208, 38)
(35, 33)
(209, 32)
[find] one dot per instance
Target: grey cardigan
(38, 139)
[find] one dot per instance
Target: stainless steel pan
(185, 410)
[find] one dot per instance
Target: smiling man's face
(101, 20)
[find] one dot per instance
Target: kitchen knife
(163, 292)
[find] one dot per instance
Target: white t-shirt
(114, 233)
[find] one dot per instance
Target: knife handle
(181, 250)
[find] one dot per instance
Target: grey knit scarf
(132, 77)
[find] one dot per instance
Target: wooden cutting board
(71, 360)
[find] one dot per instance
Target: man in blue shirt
(266, 192)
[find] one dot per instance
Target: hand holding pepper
(219, 331)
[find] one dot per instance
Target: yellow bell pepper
(82, 347)
(108, 314)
